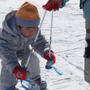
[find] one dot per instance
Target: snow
(68, 42)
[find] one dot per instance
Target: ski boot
(42, 84)
(36, 85)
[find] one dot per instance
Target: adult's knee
(87, 49)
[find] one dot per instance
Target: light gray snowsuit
(14, 47)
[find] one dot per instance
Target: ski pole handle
(48, 67)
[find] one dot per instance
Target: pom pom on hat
(27, 15)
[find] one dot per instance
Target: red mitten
(20, 73)
(52, 5)
(57, 4)
(47, 6)
(52, 58)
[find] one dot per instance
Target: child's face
(28, 31)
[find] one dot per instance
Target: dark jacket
(82, 2)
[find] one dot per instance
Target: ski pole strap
(23, 86)
(55, 69)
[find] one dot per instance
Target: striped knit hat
(27, 15)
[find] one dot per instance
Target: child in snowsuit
(85, 5)
(19, 30)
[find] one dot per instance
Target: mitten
(57, 4)
(51, 59)
(47, 6)
(52, 5)
(20, 73)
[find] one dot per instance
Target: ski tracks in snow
(67, 43)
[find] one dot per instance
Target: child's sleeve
(41, 45)
(8, 55)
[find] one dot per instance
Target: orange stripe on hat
(27, 11)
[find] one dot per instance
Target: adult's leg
(87, 54)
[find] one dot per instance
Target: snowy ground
(67, 42)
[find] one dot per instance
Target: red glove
(20, 73)
(48, 6)
(52, 5)
(52, 58)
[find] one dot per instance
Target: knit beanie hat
(27, 15)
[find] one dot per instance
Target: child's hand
(51, 59)
(20, 73)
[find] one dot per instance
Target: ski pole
(49, 66)
(50, 42)
(36, 38)
(51, 33)
(25, 67)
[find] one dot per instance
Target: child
(19, 31)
